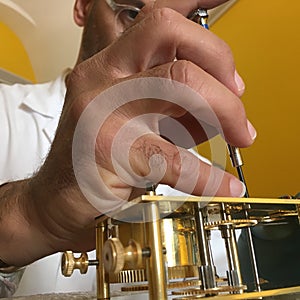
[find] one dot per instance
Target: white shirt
(29, 117)
(28, 122)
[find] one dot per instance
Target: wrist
(18, 227)
(64, 217)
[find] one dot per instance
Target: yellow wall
(13, 55)
(265, 39)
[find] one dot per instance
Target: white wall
(47, 31)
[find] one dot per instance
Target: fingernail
(251, 130)
(237, 188)
(239, 82)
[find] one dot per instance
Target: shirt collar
(47, 98)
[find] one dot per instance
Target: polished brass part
(155, 267)
(235, 223)
(181, 220)
(134, 254)
(228, 234)
(175, 210)
(183, 284)
(250, 295)
(103, 291)
(298, 212)
(205, 199)
(283, 213)
(192, 199)
(214, 291)
(178, 238)
(171, 285)
(151, 193)
(139, 275)
(69, 263)
(135, 288)
(206, 268)
(129, 276)
(115, 255)
(277, 216)
(183, 272)
(213, 208)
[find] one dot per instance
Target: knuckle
(175, 166)
(75, 76)
(224, 47)
(162, 18)
(222, 50)
(180, 70)
(236, 106)
(162, 15)
(80, 73)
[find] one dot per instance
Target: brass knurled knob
(69, 263)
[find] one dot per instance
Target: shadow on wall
(41, 35)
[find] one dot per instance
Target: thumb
(155, 160)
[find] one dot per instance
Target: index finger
(183, 7)
(174, 37)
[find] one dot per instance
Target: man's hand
(162, 44)
(109, 144)
(173, 48)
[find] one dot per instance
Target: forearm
(39, 217)
(21, 239)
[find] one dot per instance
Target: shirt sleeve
(9, 282)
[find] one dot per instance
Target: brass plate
(219, 199)
(183, 199)
(291, 293)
